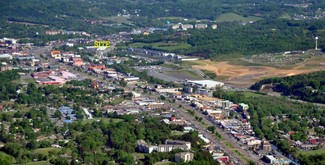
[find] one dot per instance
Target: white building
(204, 139)
(6, 56)
(188, 129)
(205, 83)
(201, 26)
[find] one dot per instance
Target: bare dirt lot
(245, 75)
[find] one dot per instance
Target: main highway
(214, 141)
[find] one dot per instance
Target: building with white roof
(204, 83)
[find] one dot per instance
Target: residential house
(56, 54)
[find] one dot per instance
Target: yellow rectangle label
(98, 44)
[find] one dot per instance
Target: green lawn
(105, 120)
(172, 66)
(139, 155)
(27, 80)
(117, 101)
(118, 19)
(177, 133)
(46, 151)
(231, 17)
(312, 152)
(229, 145)
(286, 16)
(185, 72)
(39, 163)
(165, 46)
(191, 63)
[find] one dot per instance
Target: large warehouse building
(205, 83)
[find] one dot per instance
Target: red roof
(224, 159)
(92, 67)
(55, 52)
(313, 141)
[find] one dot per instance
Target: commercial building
(156, 105)
(269, 159)
(266, 146)
(167, 147)
(181, 26)
(131, 79)
(8, 56)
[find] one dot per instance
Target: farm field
(245, 75)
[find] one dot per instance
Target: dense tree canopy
(308, 87)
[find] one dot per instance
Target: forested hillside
(308, 87)
(70, 14)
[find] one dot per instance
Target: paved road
(226, 137)
(210, 136)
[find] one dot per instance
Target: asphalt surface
(226, 137)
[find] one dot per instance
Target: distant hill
(307, 87)
(232, 17)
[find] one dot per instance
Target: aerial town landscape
(162, 82)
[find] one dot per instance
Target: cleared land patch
(245, 75)
(231, 17)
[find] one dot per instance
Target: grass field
(231, 17)
(177, 133)
(45, 151)
(39, 163)
(312, 152)
(186, 74)
(286, 16)
(172, 66)
(105, 120)
(165, 46)
(139, 155)
(27, 80)
(118, 19)
(117, 101)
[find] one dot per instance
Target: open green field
(117, 101)
(105, 120)
(39, 163)
(139, 155)
(231, 17)
(184, 72)
(177, 133)
(46, 151)
(286, 16)
(171, 65)
(312, 152)
(118, 19)
(27, 80)
(164, 46)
